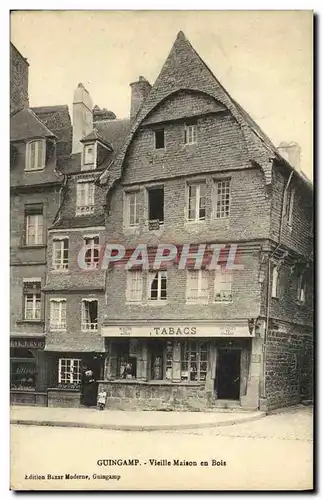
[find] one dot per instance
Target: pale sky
(263, 59)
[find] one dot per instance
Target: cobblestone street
(291, 424)
(274, 453)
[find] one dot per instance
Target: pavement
(127, 420)
(274, 453)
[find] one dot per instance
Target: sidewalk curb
(127, 427)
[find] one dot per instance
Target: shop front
(182, 366)
(73, 377)
(27, 384)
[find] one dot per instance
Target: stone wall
(18, 80)
(289, 364)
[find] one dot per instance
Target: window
(60, 254)
(301, 289)
(190, 134)
(193, 361)
(23, 371)
(35, 155)
(159, 139)
(167, 359)
(222, 199)
(196, 202)
(156, 206)
(223, 285)
(89, 314)
(197, 286)
(289, 205)
(157, 286)
(89, 155)
(275, 282)
(69, 371)
(58, 314)
(157, 360)
(32, 300)
(34, 224)
(132, 209)
(84, 198)
(92, 254)
(134, 286)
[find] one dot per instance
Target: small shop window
(69, 371)
(193, 361)
(127, 360)
(157, 361)
(193, 358)
(23, 371)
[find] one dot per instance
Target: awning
(73, 348)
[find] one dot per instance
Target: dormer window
(89, 156)
(35, 155)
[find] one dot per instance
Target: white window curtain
(35, 155)
(58, 314)
(85, 194)
(222, 285)
(134, 286)
(132, 209)
(196, 202)
(34, 229)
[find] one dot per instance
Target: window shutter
(217, 280)
(204, 284)
(128, 286)
(191, 285)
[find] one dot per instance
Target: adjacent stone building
(190, 167)
(39, 138)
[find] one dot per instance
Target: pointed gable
(94, 136)
(185, 70)
(26, 125)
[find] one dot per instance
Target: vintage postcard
(161, 208)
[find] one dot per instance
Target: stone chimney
(139, 92)
(291, 152)
(102, 114)
(82, 117)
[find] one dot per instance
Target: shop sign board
(179, 330)
(28, 343)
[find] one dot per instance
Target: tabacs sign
(179, 330)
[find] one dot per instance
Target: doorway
(227, 382)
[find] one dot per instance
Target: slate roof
(75, 222)
(26, 125)
(58, 120)
(112, 132)
(185, 70)
(96, 136)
